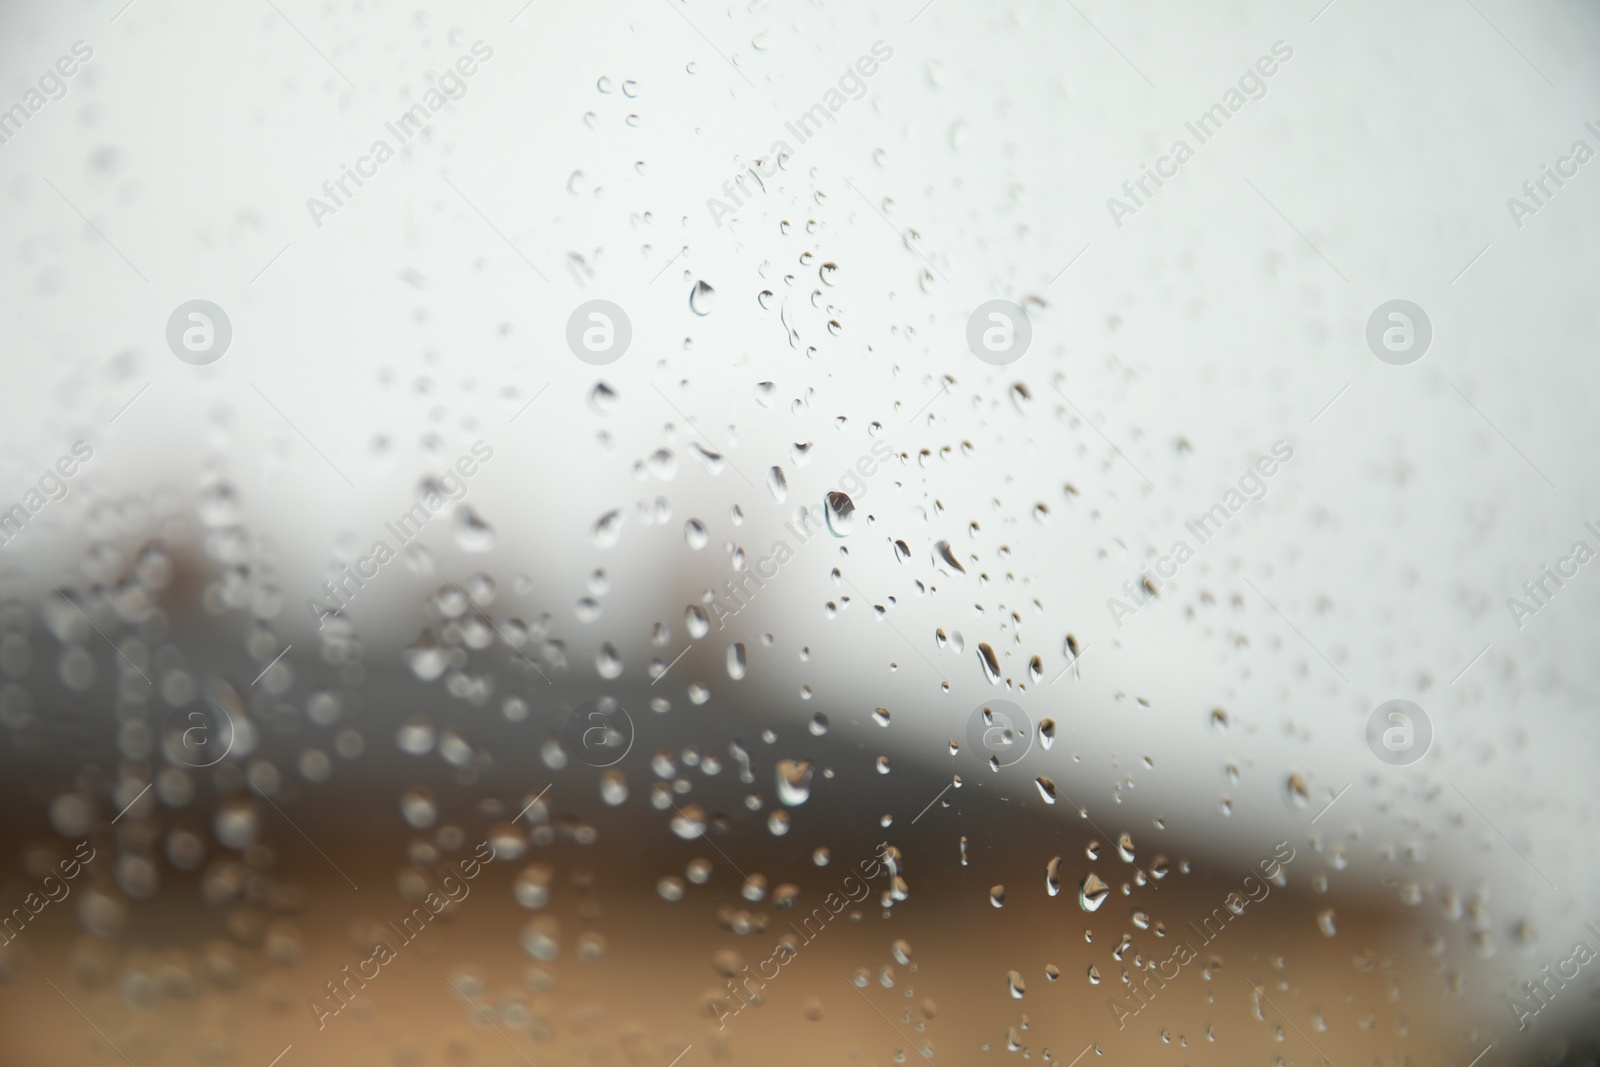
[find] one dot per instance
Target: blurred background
(968, 764)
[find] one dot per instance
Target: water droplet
(690, 823)
(695, 534)
(416, 736)
(1092, 892)
(663, 463)
(1325, 923)
(794, 781)
(1296, 791)
(602, 398)
(943, 556)
(990, 662)
(997, 895)
(608, 529)
(736, 661)
(1047, 790)
(701, 298)
(425, 658)
(777, 484)
(695, 620)
(472, 533)
(840, 512)
(1015, 985)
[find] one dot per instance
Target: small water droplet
(1296, 791)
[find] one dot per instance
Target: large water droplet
(1015, 985)
(701, 298)
(943, 555)
(991, 662)
(794, 781)
(689, 823)
(695, 620)
(840, 513)
(425, 658)
(1092, 892)
(608, 529)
